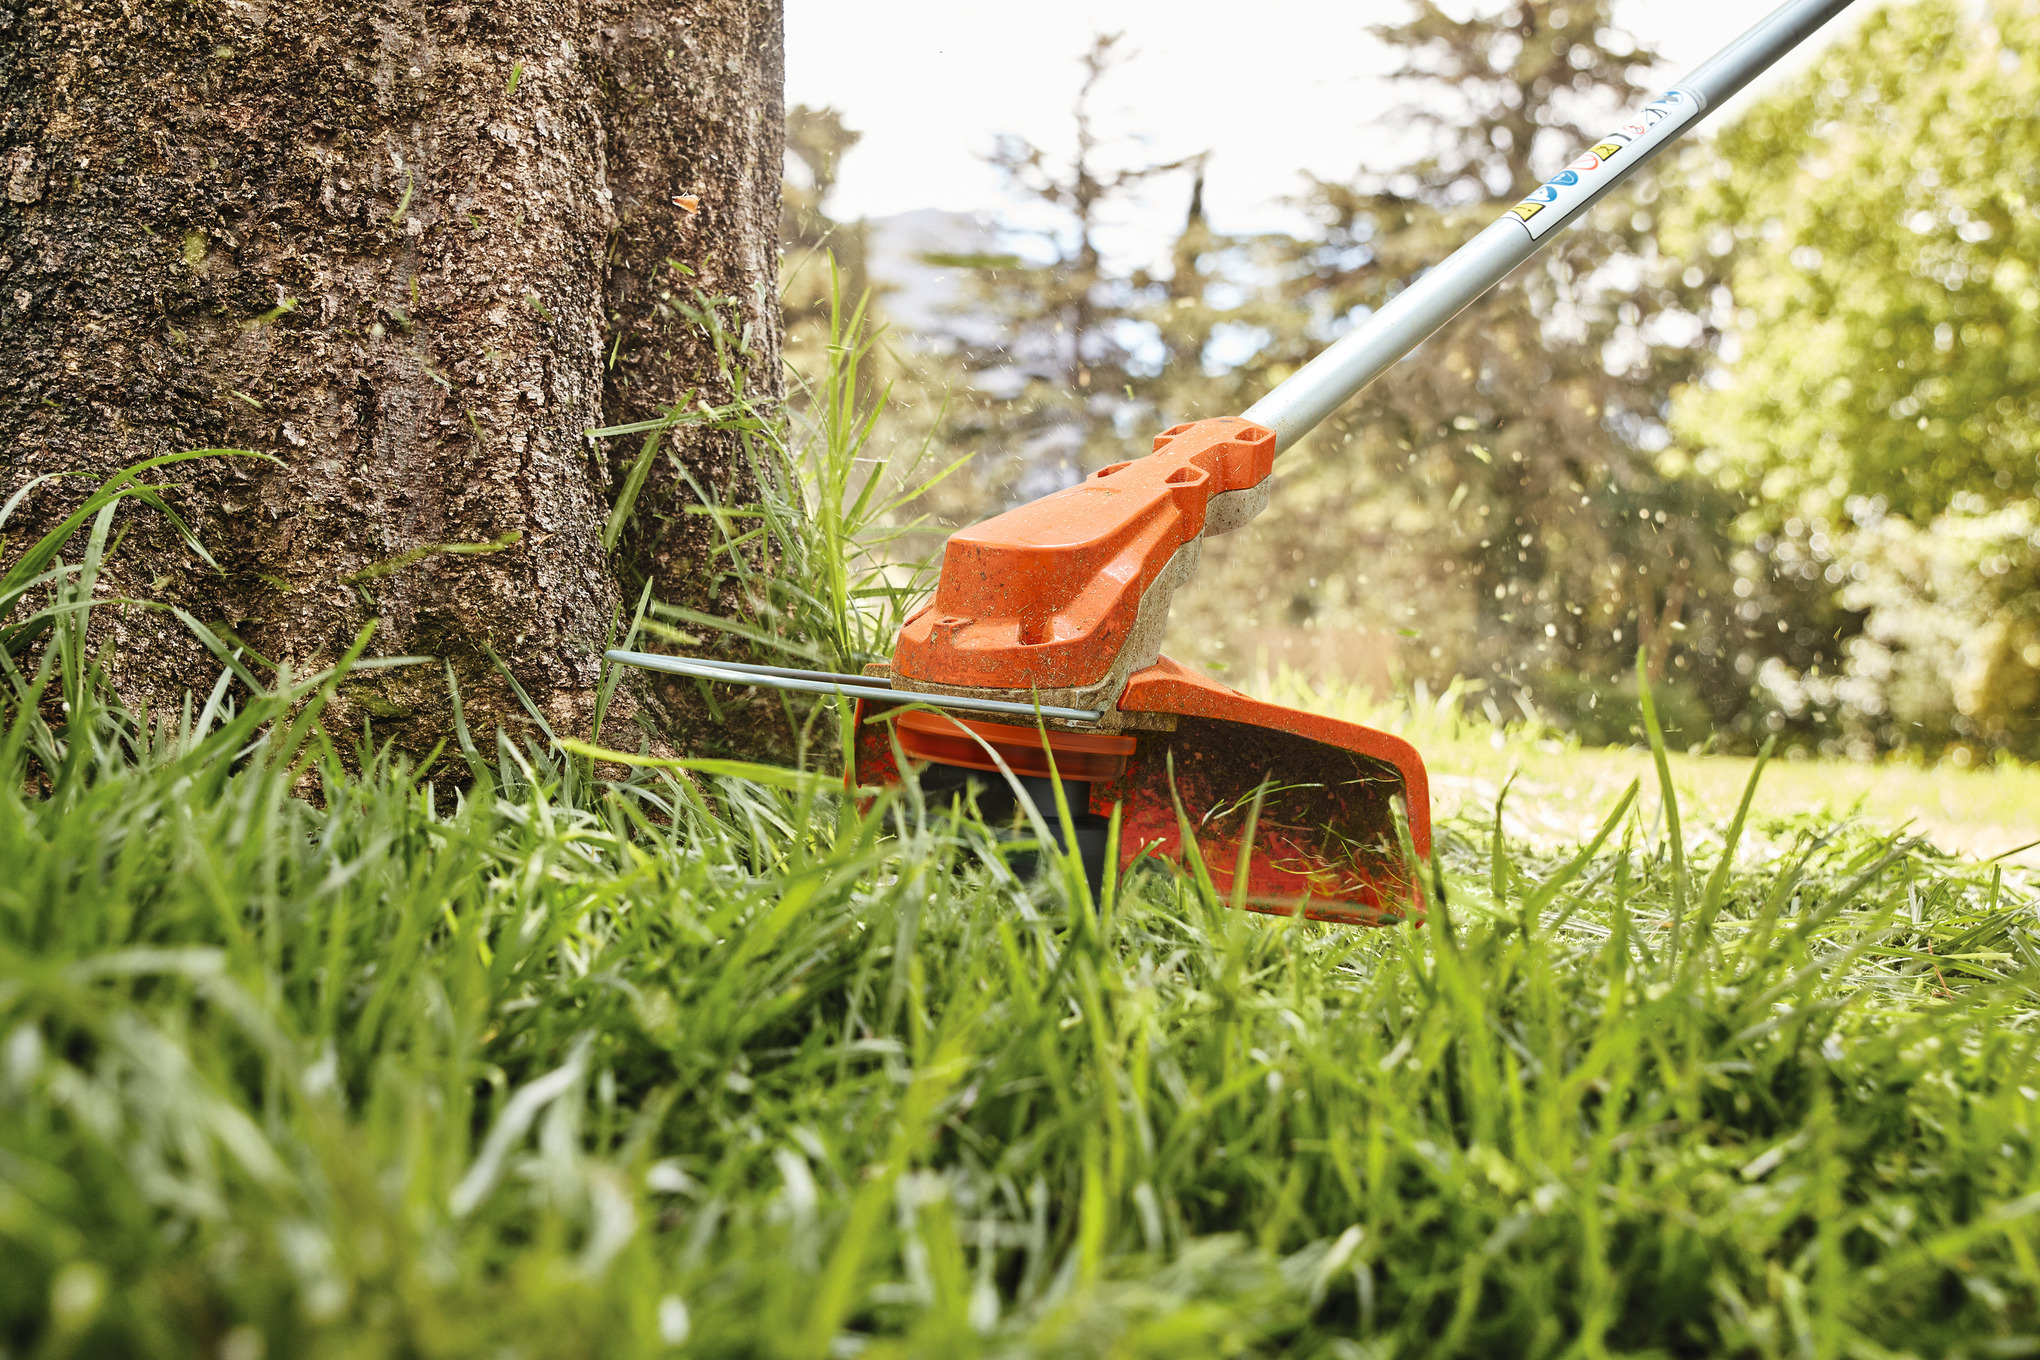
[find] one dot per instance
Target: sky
(1272, 88)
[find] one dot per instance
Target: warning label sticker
(1553, 201)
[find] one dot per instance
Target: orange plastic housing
(1286, 812)
(1046, 595)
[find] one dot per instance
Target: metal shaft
(851, 686)
(1321, 386)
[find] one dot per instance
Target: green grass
(308, 1052)
(302, 1062)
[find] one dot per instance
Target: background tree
(825, 259)
(410, 255)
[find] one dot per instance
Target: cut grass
(559, 1066)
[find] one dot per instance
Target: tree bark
(410, 253)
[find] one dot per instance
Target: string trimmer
(1039, 657)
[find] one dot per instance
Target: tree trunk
(392, 247)
(698, 223)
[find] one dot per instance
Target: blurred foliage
(1879, 219)
(1052, 387)
(1950, 648)
(1880, 400)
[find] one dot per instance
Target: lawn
(518, 1061)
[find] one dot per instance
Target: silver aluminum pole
(1321, 386)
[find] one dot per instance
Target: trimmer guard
(1322, 840)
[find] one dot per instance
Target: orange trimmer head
(1058, 607)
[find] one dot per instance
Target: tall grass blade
(1670, 797)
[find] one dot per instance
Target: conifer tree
(1053, 394)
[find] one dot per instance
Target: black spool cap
(1000, 807)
